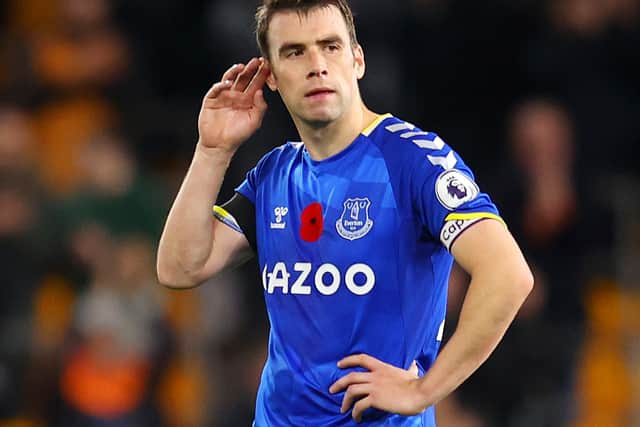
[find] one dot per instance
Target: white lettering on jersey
(454, 228)
(366, 287)
(299, 287)
(331, 288)
(326, 279)
(279, 278)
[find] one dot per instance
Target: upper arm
(230, 249)
(488, 248)
(233, 234)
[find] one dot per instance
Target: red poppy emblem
(311, 223)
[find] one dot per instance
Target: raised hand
(232, 110)
(384, 387)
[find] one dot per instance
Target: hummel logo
(280, 212)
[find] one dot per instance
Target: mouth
(319, 92)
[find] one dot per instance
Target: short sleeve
(445, 196)
(234, 213)
(248, 187)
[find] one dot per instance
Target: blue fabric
(374, 282)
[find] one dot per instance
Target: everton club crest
(354, 223)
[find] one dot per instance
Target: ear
(271, 79)
(358, 56)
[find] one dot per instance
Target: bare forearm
(187, 238)
(491, 303)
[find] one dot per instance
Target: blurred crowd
(98, 110)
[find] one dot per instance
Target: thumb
(413, 369)
(258, 100)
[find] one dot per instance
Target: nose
(317, 64)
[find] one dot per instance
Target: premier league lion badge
(453, 188)
(354, 223)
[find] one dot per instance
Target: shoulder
(403, 142)
(277, 157)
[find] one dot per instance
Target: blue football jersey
(354, 256)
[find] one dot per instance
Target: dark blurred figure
(17, 141)
(212, 376)
(546, 205)
(119, 342)
(24, 266)
(31, 252)
(531, 377)
(542, 145)
(114, 192)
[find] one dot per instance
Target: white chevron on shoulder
(408, 135)
(400, 126)
(447, 162)
(436, 144)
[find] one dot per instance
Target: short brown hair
(302, 7)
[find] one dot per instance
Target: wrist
(424, 393)
(215, 154)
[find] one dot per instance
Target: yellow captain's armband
(224, 216)
(456, 223)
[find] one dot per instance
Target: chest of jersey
(326, 231)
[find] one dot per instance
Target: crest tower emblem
(354, 223)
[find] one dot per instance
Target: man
(354, 229)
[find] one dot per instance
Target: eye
(294, 52)
(333, 47)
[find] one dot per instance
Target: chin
(321, 118)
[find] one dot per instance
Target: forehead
(290, 26)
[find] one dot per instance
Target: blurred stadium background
(98, 109)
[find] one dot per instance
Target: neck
(326, 140)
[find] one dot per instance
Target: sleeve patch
(454, 188)
(224, 216)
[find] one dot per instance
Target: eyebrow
(333, 38)
(290, 46)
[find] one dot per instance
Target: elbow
(173, 277)
(527, 281)
(523, 281)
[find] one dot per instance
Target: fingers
(244, 78)
(363, 360)
(353, 393)
(258, 100)
(228, 78)
(232, 72)
(259, 79)
(247, 78)
(347, 380)
(240, 87)
(218, 88)
(359, 408)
